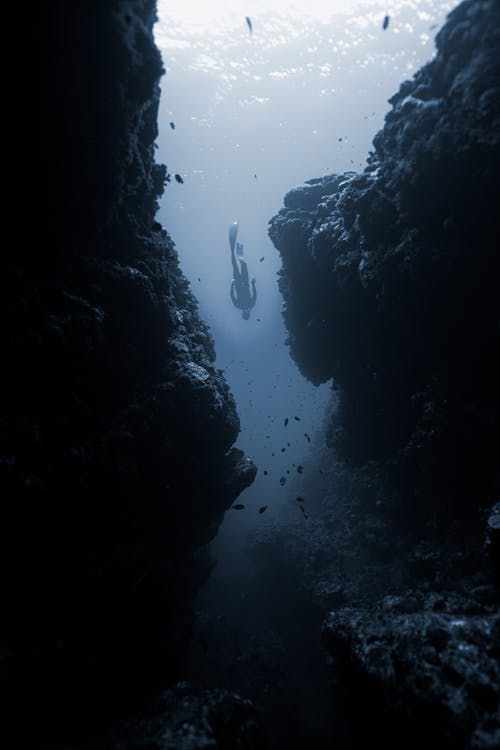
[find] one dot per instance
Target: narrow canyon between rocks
(253, 512)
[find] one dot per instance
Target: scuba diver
(240, 288)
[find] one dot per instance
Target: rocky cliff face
(390, 277)
(117, 430)
(390, 280)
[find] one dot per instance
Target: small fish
(300, 469)
(386, 22)
(179, 178)
(283, 450)
(306, 516)
(301, 508)
(249, 24)
(199, 278)
(172, 125)
(263, 509)
(239, 506)
(297, 419)
(282, 481)
(265, 472)
(300, 499)
(307, 437)
(260, 261)
(255, 176)
(286, 421)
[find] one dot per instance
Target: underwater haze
(244, 523)
(245, 114)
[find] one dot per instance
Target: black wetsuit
(240, 288)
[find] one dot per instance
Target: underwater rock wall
(390, 277)
(390, 280)
(117, 430)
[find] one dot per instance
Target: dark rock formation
(390, 277)
(116, 430)
(187, 718)
(385, 585)
(492, 543)
(390, 280)
(435, 661)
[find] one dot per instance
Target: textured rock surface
(435, 659)
(116, 430)
(390, 277)
(390, 280)
(387, 583)
(187, 718)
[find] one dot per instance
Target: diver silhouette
(240, 288)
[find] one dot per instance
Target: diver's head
(245, 314)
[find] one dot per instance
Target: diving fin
(233, 233)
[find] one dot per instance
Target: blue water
(256, 114)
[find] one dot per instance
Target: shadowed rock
(390, 277)
(117, 429)
(390, 280)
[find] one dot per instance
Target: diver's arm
(253, 299)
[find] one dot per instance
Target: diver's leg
(244, 272)
(234, 262)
